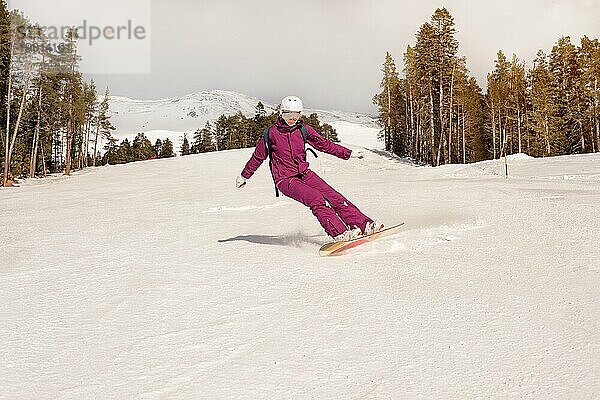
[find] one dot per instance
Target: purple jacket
(288, 155)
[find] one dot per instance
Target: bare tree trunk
(432, 144)
(597, 134)
(505, 142)
(519, 130)
(441, 146)
(56, 150)
(459, 107)
(70, 123)
(18, 123)
(501, 132)
(526, 118)
(36, 138)
(8, 101)
(408, 145)
(528, 143)
(419, 140)
(547, 136)
(412, 122)
(456, 142)
(80, 147)
(509, 130)
(450, 116)
(596, 119)
(582, 137)
(464, 145)
(63, 160)
(592, 136)
(449, 140)
(494, 130)
(96, 141)
(88, 127)
(388, 145)
(43, 161)
(69, 137)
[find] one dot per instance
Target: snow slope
(159, 279)
(172, 117)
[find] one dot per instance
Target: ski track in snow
(161, 280)
(221, 209)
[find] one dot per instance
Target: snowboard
(337, 248)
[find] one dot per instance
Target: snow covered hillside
(160, 279)
(175, 116)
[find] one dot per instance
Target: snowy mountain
(160, 279)
(173, 117)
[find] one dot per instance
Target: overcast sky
(327, 52)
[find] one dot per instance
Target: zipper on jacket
(291, 152)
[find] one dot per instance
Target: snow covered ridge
(176, 115)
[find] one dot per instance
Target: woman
(341, 219)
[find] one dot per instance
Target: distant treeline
(139, 149)
(437, 113)
(226, 133)
(50, 119)
(238, 131)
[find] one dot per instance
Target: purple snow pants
(335, 213)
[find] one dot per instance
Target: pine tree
(445, 48)
(238, 127)
(206, 144)
(258, 124)
(158, 148)
(390, 103)
(416, 139)
(426, 74)
(21, 65)
(111, 155)
(497, 98)
(43, 116)
(221, 133)
(125, 152)
(196, 142)
(440, 121)
(589, 61)
(470, 126)
(142, 148)
(564, 66)
(6, 50)
(260, 114)
(541, 83)
(329, 132)
(103, 124)
(91, 108)
(72, 78)
(167, 149)
(325, 130)
(516, 102)
(185, 146)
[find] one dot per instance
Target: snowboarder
(341, 219)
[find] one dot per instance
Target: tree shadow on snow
(292, 240)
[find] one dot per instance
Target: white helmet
(291, 103)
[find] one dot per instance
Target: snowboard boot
(373, 227)
(348, 235)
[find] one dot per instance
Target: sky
(327, 52)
